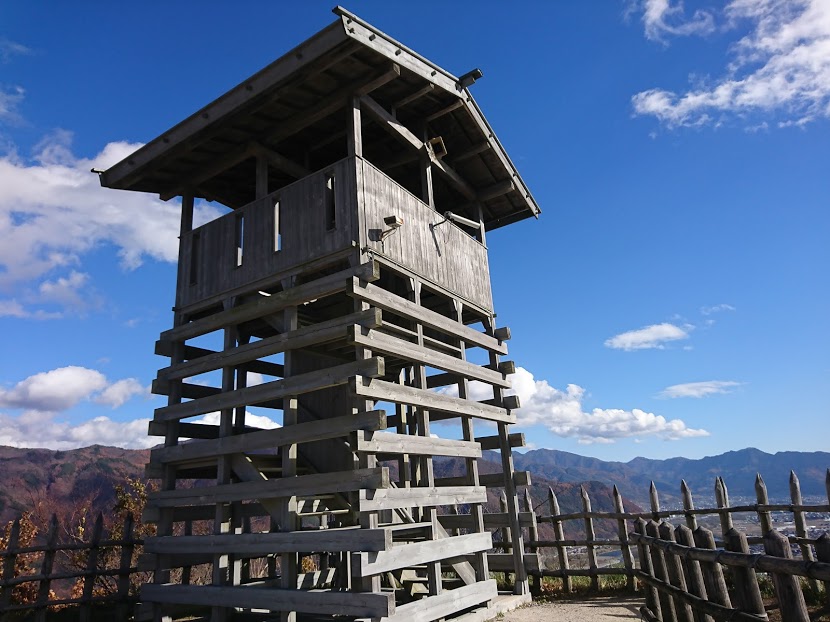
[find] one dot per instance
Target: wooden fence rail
(94, 571)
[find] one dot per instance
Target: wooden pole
(722, 500)
(787, 587)
(823, 555)
(691, 568)
(533, 536)
(675, 573)
(764, 517)
(91, 568)
(688, 505)
(590, 536)
(800, 522)
(747, 592)
(559, 536)
(712, 572)
(124, 565)
(625, 545)
(646, 566)
(661, 573)
(654, 501)
(8, 565)
(46, 570)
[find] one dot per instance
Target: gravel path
(599, 609)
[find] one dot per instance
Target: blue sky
(671, 300)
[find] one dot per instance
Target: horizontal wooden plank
(489, 443)
(268, 305)
(416, 553)
(370, 604)
(303, 485)
(503, 562)
(490, 480)
(391, 443)
(386, 344)
(293, 385)
(304, 337)
(455, 406)
(446, 603)
(298, 433)
(320, 540)
(388, 301)
(394, 498)
(494, 520)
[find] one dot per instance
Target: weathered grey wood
(504, 562)
(800, 523)
(390, 123)
(446, 603)
(391, 392)
(589, 535)
(722, 501)
(394, 498)
(9, 565)
(622, 534)
(492, 520)
(390, 443)
(490, 443)
(303, 485)
(647, 569)
(787, 587)
(293, 385)
(390, 302)
(345, 539)
(46, 569)
(823, 555)
(658, 564)
(273, 599)
(91, 567)
(764, 517)
(688, 505)
(559, 535)
(417, 553)
(654, 500)
(692, 571)
(676, 576)
(747, 593)
(490, 480)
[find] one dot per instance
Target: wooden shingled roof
(292, 112)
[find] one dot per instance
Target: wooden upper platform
(293, 113)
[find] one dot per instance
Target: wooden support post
(654, 501)
(787, 587)
(675, 573)
(658, 564)
(800, 522)
(823, 555)
(425, 163)
(354, 131)
(688, 505)
(625, 545)
(722, 500)
(46, 570)
(125, 566)
(691, 568)
(647, 568)
(747, 592)
(9, 563)
(91, 568)
(533, 536)
(590, 536)
(559, 537)
(712, 572)
(764, 516)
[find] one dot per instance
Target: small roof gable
(292, 112)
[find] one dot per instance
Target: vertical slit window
(277, 228)
(331, 206)
(240, 238)
(195, 252)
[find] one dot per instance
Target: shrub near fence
(99, 569)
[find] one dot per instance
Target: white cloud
(120, 392)
(716, 309)
(562, 413)
(653, 336)
(781, 67)
(699, 389)
(10, 98)
(661, 17)
(9, 49)
(39, 429)
(53, 211)
(257, 421)
(65, 387)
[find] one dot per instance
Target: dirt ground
(597, 609)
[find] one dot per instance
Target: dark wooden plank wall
(303, 225)
(445, 255)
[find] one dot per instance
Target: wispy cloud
(716, 309)
(781, 67)
(10, 98)
(9, 49)
(662, 17)
(699, 389)
(53, 212)
(649, 337)
(562, 412)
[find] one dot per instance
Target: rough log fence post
(800, 523)
(533, 535)
(823, 554)
(125, 565)
(787, 587)
(625, 545)
(91, 567)
(590, 536)
(764, 517)
(747, 592)
(647, 568)
(688, 505)
(675, 574)
(691, 567)
(713, 577)
(559, 535)
(658, 563)
(46, 570)
(722, 500)
(9, 564)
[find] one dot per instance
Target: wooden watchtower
(351, 275)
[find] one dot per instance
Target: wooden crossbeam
(395, 498)
(429, 88)
(390, 123)
(451, 175)
(391, 443)
(408, 555)
(279, 161)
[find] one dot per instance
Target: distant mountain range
(737, 468)
(61, 479)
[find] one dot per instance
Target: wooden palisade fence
(95, 571)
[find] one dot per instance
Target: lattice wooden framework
(339, 281)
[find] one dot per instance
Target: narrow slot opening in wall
(331, 207)
(195, 252)
(240, 238)
(277, 229)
